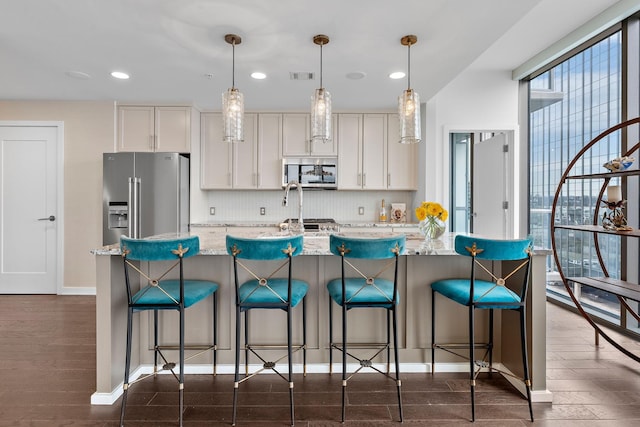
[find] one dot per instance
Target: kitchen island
(420, 265)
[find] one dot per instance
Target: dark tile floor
(47, 361)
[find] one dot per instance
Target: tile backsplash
(343, 206)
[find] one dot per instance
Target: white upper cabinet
(361, 155)
(370, 158)
(215, 154)
(269, 148)
(149, 128)
(296, 138)
(252, 164)
(402, 159)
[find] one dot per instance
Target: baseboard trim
(316, 368)
(72, 290)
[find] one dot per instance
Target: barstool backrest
(159, 249)
(367, 247)
(271, 248)
(493, 249)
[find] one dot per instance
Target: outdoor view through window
(569, 105)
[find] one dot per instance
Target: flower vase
(432, 228)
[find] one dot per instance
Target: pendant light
(409, 103)
(321, 104)
(233, 102)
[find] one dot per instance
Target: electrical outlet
(361, 210)
(263, 211)
(212, 210)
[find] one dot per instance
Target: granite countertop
(212, 241)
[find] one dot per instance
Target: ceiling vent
(301, 75)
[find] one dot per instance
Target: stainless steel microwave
(311, 173)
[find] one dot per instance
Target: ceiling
(175, 51)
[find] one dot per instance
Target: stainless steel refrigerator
(144, 194)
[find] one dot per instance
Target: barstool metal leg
(472, 361)
(433, 331)
(236, 380)
(344, 359)
(397, 360)
(215, 334)
(525, 362)
(290, 365)
(127, 366)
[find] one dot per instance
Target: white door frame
(513, 136)
(60, 191)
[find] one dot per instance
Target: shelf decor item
(613, 217)
(432, 217)
(619, 164)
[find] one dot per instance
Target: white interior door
(28, 209)
(491, 205)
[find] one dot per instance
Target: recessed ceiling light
(258, 75)
(356, 75)
(119, 75)
(397, 75)
(78, 75)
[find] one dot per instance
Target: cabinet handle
(229, 179)
(364, 179)
(359, 179)
(256, 178)
(388, 180)
(151, 142)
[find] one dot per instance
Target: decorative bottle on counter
(383, 213)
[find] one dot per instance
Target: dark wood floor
(47, 365)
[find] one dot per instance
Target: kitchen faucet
(285, 202)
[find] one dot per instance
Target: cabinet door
(136, 128)
(215, 154)
(349, 151)
(245, 156)
(402, 159)
(269, 159)
(295, 135)
(374, 144)
(173, 129)
(326, 149)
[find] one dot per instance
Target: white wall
(88, 132)
(476, 100)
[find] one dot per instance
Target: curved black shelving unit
(623, 290)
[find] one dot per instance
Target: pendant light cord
(321, 65)
(233, 64)
(409, 67)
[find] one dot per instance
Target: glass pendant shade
(233, 115)
(321, 116)
(321, 104)
(409, 115)
(233, 102)
(409, 103)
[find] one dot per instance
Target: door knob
(49, 218)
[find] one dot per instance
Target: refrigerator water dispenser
(118, 215)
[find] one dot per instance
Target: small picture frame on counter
(398, 212)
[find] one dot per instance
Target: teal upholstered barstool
(163, 294)
(484, 290)
(357, 289)
(270, 285)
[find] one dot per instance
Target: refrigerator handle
(134, 207)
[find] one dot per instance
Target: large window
(569, 105)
